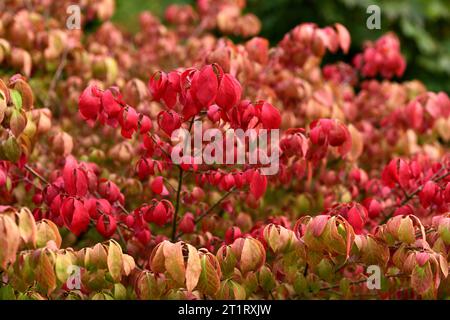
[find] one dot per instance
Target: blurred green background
(422, 25)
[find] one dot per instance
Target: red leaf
(205, 85)
(187, 224)
(157, 185)
(270, 116)
(75, 179)
(157, 85)
(160, 216)
(344, 37)
(258, 185)
(106, 225)
(89, 103)
(390, 174)
(110, 105)
(169, 121)
(318, 224)
(229, 92)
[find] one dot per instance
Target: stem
(160, 147)
(169, 184)
(122, 208)
(177, 205)
(57, 75)
(362, 281)
(200, 217)
(338, 285)
(180, 184)
(122, 239)
(31, 170)
(410, 196)
(310, 173)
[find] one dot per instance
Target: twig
(57, 75)
(338, 285)
(177, 205)
(160, 147)
(122, 208)
(305, 272)
(122, 239)
(362, 281)
(410, 196)
(169, 184)
(200, 217)
(30, 169)
(180, 185)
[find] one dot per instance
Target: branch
(31, 170)
(200, 217)
(180, 184)
(410, 196)
(177, 205)
(56, 76)
(362, 281)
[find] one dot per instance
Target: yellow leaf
(252, 257)
(157, 258)
(62, 263)
(46, 231)
(128, 264)
(27, 226)
(115, 260)
(357, 143)
(96, 257)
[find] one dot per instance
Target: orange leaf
(174, 262)
(193, 268)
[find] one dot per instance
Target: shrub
(95, 207)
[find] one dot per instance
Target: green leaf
(16, 99)
(63, 261)
(7, 293)
(300, 284)
(209, 281)
(120, 292)
(11, 149)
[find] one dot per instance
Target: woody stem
(180, 184)
(177, 205)
(207, 212)
(411, 195)
(32, 171)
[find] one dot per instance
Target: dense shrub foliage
(87, 180)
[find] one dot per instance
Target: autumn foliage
(87, 179)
